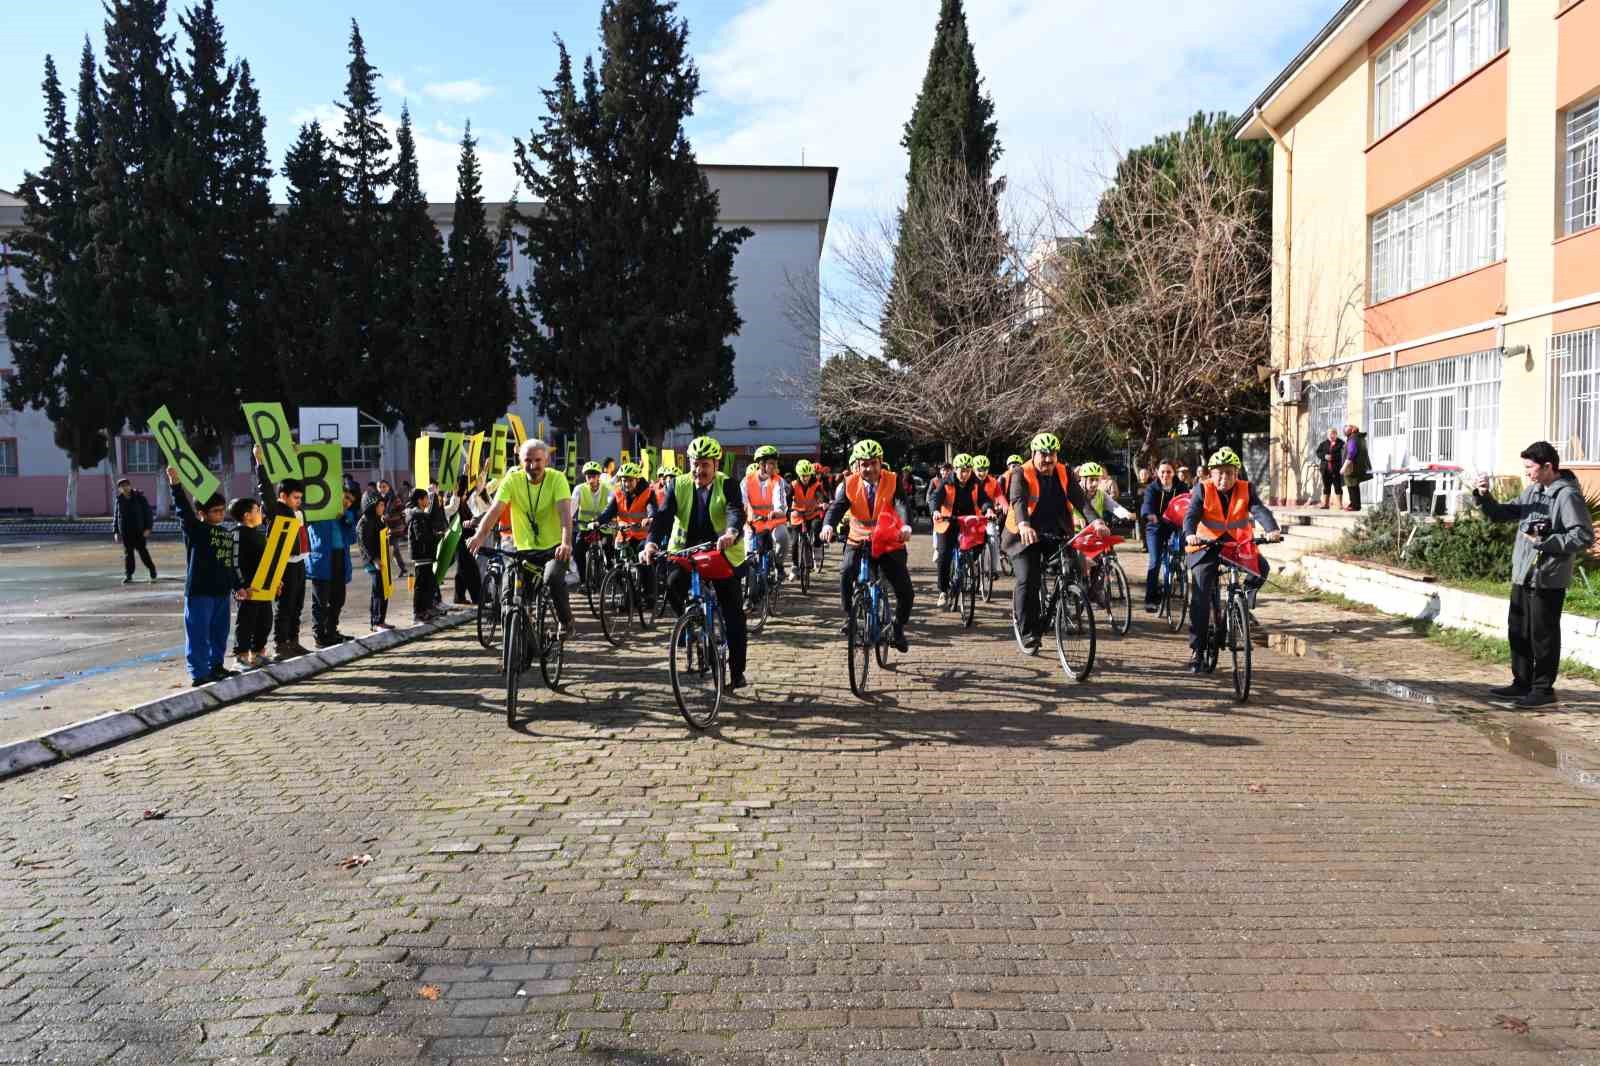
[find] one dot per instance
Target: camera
(1539, 527)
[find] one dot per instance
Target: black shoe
(1151, 608)
(899, 641)
(128, 580)
(1031, 641)
(323, 642)
(222, 673)
(1197, 663)
(200, 682)
(1508, 692)
(152, 577)
(735, 682)
(844, 630)
(1537, 699)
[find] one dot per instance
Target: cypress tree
(247, 205)
(362, 151)
(475, 322)
(413, 269)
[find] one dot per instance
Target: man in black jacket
(130, 525)
(283, 501)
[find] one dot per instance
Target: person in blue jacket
(330, 571)
(1158, 495)
(212, 581)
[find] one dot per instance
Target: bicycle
(869, 627)
(699, 642)
(1065, 602)
(524, 640)
(1174, 584)
(1230, 626)
(1108, 581)
(805, 553)
(597, 563)
(762, 585)
(994, 559)
(621, 598)
(489, 601)
(967, 578)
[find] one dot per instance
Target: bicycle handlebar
(500, 553)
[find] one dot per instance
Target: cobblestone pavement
(986, 865)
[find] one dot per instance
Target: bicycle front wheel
(1119, 603)
(988, 580)
(805, 561)
(1075, 638)
(1177, 601)
(617, 605)
(552, 644)
(489, 611)
(696, 669)
(860, 643)
(515, 660)
(885, 629)
(1239, 645)
(969, 593)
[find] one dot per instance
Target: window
(1575, 379)
(141, 456)
(1453, 226)
(1452, 40)
(8, 457)
(1446, 411)
(1583, 167)
(6, 376)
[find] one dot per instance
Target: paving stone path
(986, 865)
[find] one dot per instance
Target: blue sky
(832, 80)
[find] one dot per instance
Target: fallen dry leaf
(67, 797)
(429, 991)
(1435, 1030)
(153, 815)
(1510, 1024)
(354, 861)
(1257, 788)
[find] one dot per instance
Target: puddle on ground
(1575, 767)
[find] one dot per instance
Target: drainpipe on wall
(1288, 247)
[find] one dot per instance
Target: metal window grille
(1444, 411)
(141, 456)
(1575, 380)
(1453, 226)
(1583, 166)
(8, 458)
(1452, 40)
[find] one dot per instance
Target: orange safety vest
(761, 517)
(1030, 477)
(807, 503)
(1230, 523)
(994, 490)
(631, 514)
(947, 505)
(863, 519)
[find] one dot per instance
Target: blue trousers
(205, 633)
(1157, 542)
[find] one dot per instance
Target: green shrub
(1470, 548)
(1379, 535)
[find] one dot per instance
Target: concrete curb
(81, 738)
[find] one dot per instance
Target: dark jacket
(423, 532)
(368, 532)
(1011, 543)
(1331, 456)
(1355, 450)
(331, 539)
(1155, 501)
(252, 546)
(1548, 564)
(1197, 507)
(212, 551)
(133, 516)
(272, 507)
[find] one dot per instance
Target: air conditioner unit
(1288, 389)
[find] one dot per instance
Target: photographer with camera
(1553, 527)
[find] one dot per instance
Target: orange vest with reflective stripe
(761, 518)
(807, 502)
(1030, 477)
(947, 503)
(1230, 522)
(632, 514)
(862, 519)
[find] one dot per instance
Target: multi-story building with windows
(1436, 226)
(775, 354)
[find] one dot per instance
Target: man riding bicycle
(766, 506)
(700, 509)
(807, 499)
(540, 504)
(632, 507)
(1227, 507)
(866, 495)
(949, 500)
(1043, 491)
(588, 500)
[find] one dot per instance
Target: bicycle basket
(1090, 544)
(974, 531)
(1243, 554)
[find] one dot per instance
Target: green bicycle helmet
(1225, 457)
(1091, 469)
(1045, 442)
(962, 462)
(765, 452)
(667, 471)
(804, 468)
(866, 449)
(753, 468)
(591, 468)
(631, 470)
(980, 463)
(704, 448)
(1013, 460)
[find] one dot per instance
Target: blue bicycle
(699, 648)
(1174, 584)
(870, 627)
(763, 584)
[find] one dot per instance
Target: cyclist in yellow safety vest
(588, 500)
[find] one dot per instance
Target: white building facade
(777, 352)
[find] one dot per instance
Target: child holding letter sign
(213, 576)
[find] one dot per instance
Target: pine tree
(475, 321)
(413, 271)
(655, 307)
(362, 150)
(57, 353)
(247, 204)
(952, 132)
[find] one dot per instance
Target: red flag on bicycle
(974, 531)
(1090, 544)
(886, 534)
(1244, 554)
(1176, 511)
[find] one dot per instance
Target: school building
(1436, 228)
(777, 348)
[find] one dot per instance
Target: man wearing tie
(867, 495)
(698, 510)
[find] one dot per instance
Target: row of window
(1452, 40)
(1455, 225)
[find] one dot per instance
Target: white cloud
(1070, 79)
(397, 85)
(467, 91)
